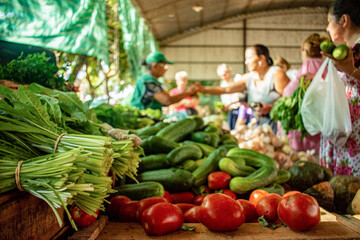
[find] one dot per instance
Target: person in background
(264, 83)
(286, 66)
(231, 101)
(148, 92)
(344, 27)
(187, 105)
(312, 61)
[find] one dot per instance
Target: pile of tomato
(218, 210)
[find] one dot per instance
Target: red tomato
(82, 218)
(218, 180)
(168, 197)
(289, 193)
(115, 204)
(229, 193)
(145, 203)
(249, 210)
(199, 199)
(127, 212)
(162, 218)
(256, 195)
(183, 197)
(185, 206)
(219, 212)
(190, 216)
(267, 206)
(299, 211)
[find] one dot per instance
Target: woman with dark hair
(344, 27)
(264, 83)
(148, 92)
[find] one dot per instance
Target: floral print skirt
(343, 160)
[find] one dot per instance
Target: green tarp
(75, 26)
(138, 40)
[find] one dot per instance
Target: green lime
(327, 46)
(340, 52)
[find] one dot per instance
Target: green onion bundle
(127, 159)
(24, 118)
(51, 177)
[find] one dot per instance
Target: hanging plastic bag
(325, 108)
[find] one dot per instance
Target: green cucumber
(146, 146)
(147, 131)
(274, 188)
(200, 161)
(260, 178)
(138, 191)
(179, 130)
(252, 157)
(213, 128)
(235, 167)
(207, 149)
(182, 153)
(228, 137)
(282, 176)
(201, 137)
(230, 141)
(189, 165)
(210, 164)
(154, 161)
(160, 145)
(228, 147)
(173, 179)
(214, 139)
(199, 121)
(161, 124)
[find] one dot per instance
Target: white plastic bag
(325, 107)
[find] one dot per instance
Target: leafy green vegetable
(35, 68)
(287, 110)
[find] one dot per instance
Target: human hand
(196, 87)
(308, 77)
(261, 109)
(345, 65)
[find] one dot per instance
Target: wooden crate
(24, 216)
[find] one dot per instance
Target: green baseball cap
(156, 57)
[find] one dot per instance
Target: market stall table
(332, 226)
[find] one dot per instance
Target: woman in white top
(264, 83)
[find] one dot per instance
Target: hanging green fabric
(138, 40)
(75, 26)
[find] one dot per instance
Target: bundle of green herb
(287, 110)
(53, 178)
(24, 118)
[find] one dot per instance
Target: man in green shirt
(148, 92)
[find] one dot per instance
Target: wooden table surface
(247, 231)
(332, 226)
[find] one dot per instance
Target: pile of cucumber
(180, 155)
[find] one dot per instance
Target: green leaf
(187, 228)
(28, 97)
(53, 108)
(263, 222)
(72, 99)
(7, 93)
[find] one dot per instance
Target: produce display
(56, 148)
(39, 124)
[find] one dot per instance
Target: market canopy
(73, 26)
(171, 20)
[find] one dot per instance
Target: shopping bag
(325, 108)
